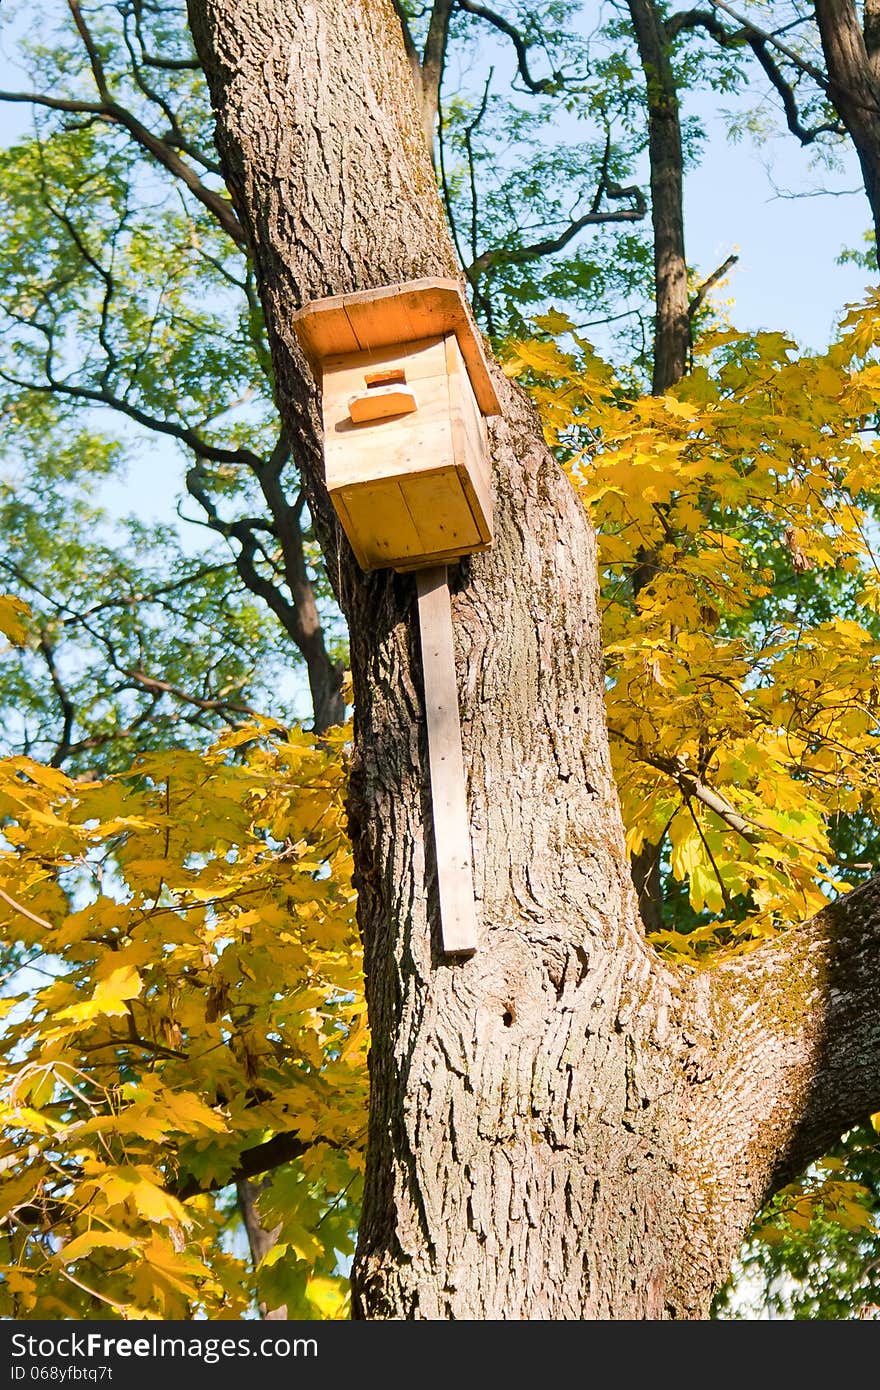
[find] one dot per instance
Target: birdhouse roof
(401, 313)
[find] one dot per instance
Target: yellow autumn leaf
(190, 1113)
(158, 1206)
(110, 996)
(89, 1241)
(12, 611)
(329, 1297)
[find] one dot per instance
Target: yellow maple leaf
(12, 610)
(89, 1241)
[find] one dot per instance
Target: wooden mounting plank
(452, 839)
(403, 313)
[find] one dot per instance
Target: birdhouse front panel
(405, 453)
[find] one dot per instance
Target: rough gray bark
(561, 1126)
(852, 59)
(260, 1239)
(671, 323)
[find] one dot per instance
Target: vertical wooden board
(474, 422)
(480, 501)
(452, 841)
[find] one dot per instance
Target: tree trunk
(561, 1126)
(672, 331)
(852, 59)
(672, 323)
(432, 67)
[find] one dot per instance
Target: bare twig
(31, 916)
(707, 284)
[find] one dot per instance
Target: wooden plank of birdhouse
(463, 404)
(327, 333)
(441, 511)
(452, 841)
(382, 524)
(386, 450)
(443, 557)
(382, 403)
(469, 442)
(424, 357)
(395, 314)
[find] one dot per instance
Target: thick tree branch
(713, 279)
(261, 1239)
(806, 134)
(469, 129)
(153, 60)
(684, 20)
(324, 675)
(773, 41)
(672, 326)
(539, 85)
(211, 453)
(757, 40)
(175, 137)
(798, 1028)
(158, 148)
(488, 260)
(155, 686)
(109, 109)
(57, 103)
(252, 1163)
(68, 711)
(854, 87)
(299, 618)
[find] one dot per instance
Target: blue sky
(786, 278)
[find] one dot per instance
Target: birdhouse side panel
(469, 442)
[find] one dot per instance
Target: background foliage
(183, 1041)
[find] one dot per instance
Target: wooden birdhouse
(405, 389)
